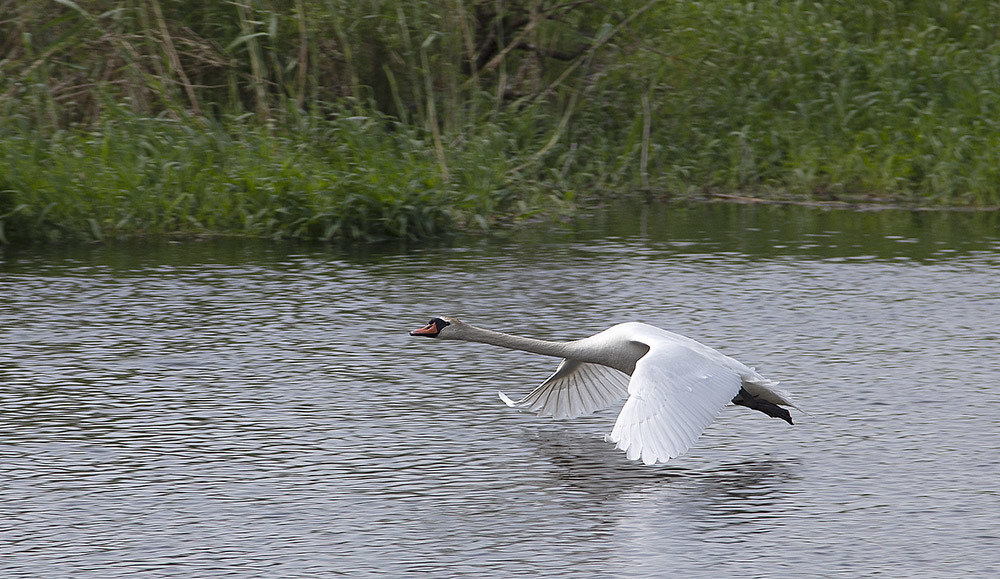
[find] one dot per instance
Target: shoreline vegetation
(328, 119)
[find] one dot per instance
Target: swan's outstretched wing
(674, 394)
(574, 389)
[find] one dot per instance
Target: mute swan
(677, 388)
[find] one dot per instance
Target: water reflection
(595, 468)
(666, 230)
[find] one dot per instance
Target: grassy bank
(324, 118)
(351, 176)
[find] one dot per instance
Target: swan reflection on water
(635, 504)
(589, 464)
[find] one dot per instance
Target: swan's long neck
(544, 347)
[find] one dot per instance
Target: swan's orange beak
(430, 330)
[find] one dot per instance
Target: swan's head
(444, 327)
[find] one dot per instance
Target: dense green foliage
(327, 118)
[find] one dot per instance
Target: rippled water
(257, 410)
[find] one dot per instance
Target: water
(250, 409)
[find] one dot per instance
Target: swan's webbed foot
(744, 398)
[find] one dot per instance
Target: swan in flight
(677, 387)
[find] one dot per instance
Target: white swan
(677, 388)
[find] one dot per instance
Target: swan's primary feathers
(677, 387)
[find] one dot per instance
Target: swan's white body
(677, 387)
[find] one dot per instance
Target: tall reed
(324, 118)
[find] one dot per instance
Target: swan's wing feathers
(574, 389)
(674, 395)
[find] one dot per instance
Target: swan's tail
(758, 386)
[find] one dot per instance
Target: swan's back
(664, 340)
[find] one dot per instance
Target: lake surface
(256, 409)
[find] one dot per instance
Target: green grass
(404, 118)
(844, 98)
(355, 177)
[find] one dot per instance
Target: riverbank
(326, 120)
